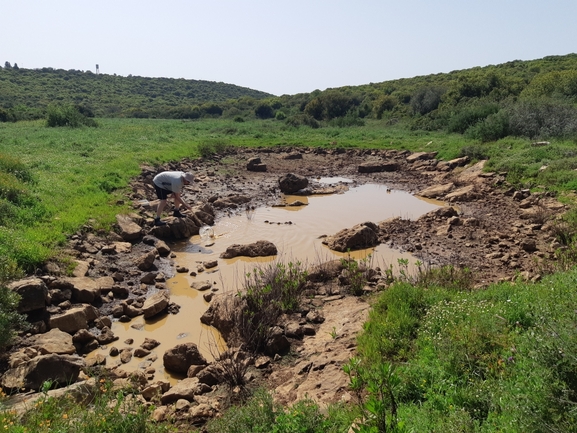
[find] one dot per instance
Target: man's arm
(178, 201)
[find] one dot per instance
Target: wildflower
(65, 416)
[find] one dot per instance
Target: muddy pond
(297, 232)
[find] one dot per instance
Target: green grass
(502, 359)
(106, 410)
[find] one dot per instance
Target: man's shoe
(157, 222)
(177, 214)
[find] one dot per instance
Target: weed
(356, 274)
(268, 292)
(374, 388)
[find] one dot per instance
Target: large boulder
(220, 314)
(256, 249)
(377, 167)
(181, 228)
(73, 320)
(129, 230)
(358, 237)
(437, 190)
(291, 183)
(33, 294)
(155, 304)
(181, 357)
(421, 156)
(53, 341)
(83, 289)
(185, 389)
(61, 370)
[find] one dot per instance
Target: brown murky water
(295, 230)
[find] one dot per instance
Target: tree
(264, 111)
(7, 65)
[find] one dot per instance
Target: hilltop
(104, 95)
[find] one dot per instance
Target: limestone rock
(33, 294)
(257, 249)
(291, 183)
(129, 230)
(155, 304)
(181, 357)
(358, 237)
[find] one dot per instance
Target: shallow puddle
(295, 230)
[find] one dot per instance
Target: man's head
(188, 178)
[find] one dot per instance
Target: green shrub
(101, 409)
(268, 292)
(384, 103)
(476, 152)
(393, 323)
(280, 115)
(465, 118)
(264, 111)
(67, 115)
(543, 119)
(14, 166)
(261, 415)
(351, 119)
(494, 127)
(303, 119)
(426, 99)
(211, 148)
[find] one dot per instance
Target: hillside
(535, 99)
(32, 90)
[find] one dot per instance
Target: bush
(467, 117)
(384, 103)
(14, 166)
(426, 99)
(261, 415)
(543, 119)
(212, 109)
(264, 111)
(208, 149)
(303, 119)
(475, 152)
(351, 119)
(67, 115)
(268, 292)
(494, 127)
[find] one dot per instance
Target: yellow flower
(65, 416)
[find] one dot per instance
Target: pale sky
(283, 47)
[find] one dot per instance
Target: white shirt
(170, 180)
